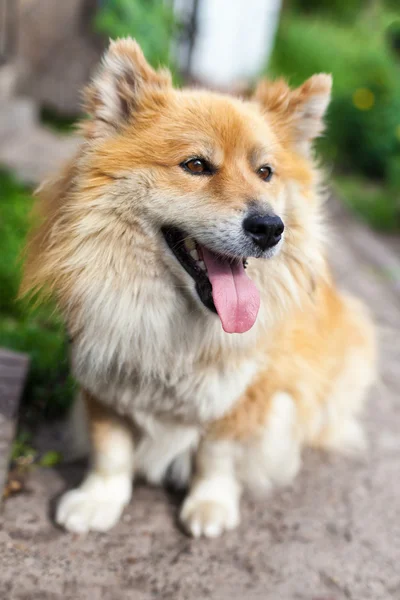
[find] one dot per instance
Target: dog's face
(211, 176)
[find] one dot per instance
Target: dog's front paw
(209, 517)
(80, 512)
(96, 506)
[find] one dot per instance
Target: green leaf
(50, 459)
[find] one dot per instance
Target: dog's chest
(158, 362)
(197, 396)
(187, 393)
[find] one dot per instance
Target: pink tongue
(235, 296)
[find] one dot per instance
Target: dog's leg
(212, 505)
(340, 429)
(99, 501)
(267, 454)
(165, 451)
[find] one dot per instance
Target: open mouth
(221, 283)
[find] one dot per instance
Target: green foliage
(50, 459)
(376, 202)
(368, 140)
(363, 121)
(37, 332)
(15, 204)
(308, 44)
(151, 22)
(24, 454)
(347, 11)
(54, 120)
(22, 446)
(344, 10)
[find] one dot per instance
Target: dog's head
(213, 179)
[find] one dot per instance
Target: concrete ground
(334, 535)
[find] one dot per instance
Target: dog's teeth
(194, 254)
(190, 244)
(202, 265)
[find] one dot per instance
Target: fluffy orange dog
(185, 247)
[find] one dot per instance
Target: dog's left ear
(299, 113)
(120, 87)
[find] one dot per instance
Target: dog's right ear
(116, 92)
(299, 112)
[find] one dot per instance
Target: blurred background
(48, 50)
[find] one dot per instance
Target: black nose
(266, 231)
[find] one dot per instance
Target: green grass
(38, 332)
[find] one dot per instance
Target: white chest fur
(146, 349)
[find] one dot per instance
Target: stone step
(8, 81)
(35, 153)
(17, 115)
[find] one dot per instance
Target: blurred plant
(393, 36)
(379, 205)
(366, 135)
(22, 447)
(345, 10)
(342, 10)
(24, 458)
(364, 117)
(151, 22)
(54, 120)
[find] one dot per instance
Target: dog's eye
(265, 173)
(197, 166)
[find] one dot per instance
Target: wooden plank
(13, 371)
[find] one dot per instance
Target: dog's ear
(300, 111)
(119, 87)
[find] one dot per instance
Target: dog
(185, 246)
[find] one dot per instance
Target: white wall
(234, 40)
